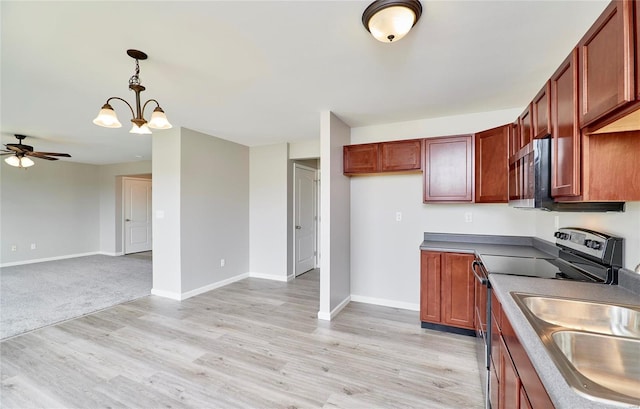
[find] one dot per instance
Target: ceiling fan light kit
(107, 116)
(19, 162)
(390, 20)
(19, 154)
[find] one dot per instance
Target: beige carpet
(40, 294)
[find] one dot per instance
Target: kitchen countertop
(560, 392)
(562, 395)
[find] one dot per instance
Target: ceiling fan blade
(7, 153)
(66, 155)
(38, 155)
(14, 148)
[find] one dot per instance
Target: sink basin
(585, 316)
(619, 371)
(595, 346)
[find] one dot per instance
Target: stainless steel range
(583, 255)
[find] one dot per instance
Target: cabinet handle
(482, 280)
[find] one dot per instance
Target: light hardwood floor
(252, 344)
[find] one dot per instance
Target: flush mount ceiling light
(107, 116)
(390, 20)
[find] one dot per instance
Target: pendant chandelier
(107, 116)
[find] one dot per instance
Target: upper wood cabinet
(400, 155)
(565, 131)
(525, 123)
(395, 156)
(360, 158)
(606, 63)
(448, 169)
(541, 107)
(492, 165)
(611, 171)
(514, 139)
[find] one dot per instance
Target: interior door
(137, 215)
(304, 218)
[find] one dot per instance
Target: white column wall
(335, 223)
(166, 150)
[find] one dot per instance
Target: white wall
(268, 211)
(426, 128)
(166, 151)
(52, 204)
(334, 220)
(111, 202)
(304, 149)
(214, 210)
(385, 258)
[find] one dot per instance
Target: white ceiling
(260, 72)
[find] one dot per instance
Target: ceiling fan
(20, 152)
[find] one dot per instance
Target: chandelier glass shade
(390, 20)
(107, 116)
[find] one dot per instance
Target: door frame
(123, 223)
(316, 201)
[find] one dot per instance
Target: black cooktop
(553, 268)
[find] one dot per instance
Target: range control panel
(605, 248)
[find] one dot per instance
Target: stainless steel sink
(586, 316)
(618, 372)
(595, 346)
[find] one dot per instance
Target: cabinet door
(526, 127)
(448, 173)
(607, 63)
(565, 158)
(430, 280)
(524, 400)
(492, 165)
(400, 155)
(457, 291)
(494, 386)
(514, 139)
(360, 158)
(509, 393)
(541, 107)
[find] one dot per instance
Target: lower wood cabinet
(514, 383)
(447, 289)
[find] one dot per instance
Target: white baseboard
(166, 294)
(385, 303)
(106, 253)
(269, 276)
(331, 315)
(41, 260)
(183, 296)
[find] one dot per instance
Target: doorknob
(127, 220)
(298, 227)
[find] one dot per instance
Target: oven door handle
(482, 280)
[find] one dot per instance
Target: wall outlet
(14, 247)
(33, 246)
(222, 262)
(398, 216)
(468, 217)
